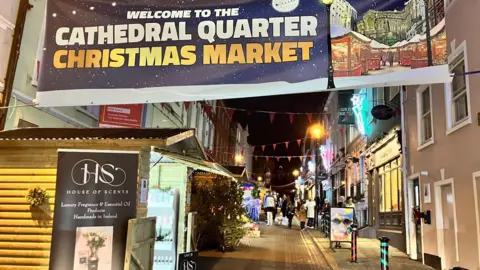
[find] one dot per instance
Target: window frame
(453, 126)
(89, 114)
(422, 142)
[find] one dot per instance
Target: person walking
(290, 210)
(302, 215)
(269, 204)
(310, 205)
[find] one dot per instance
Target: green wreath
(37, 196)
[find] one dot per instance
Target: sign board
(188, 261)
(345, 108)
(95, 197)
(340, 220)
(128, 115)
(387, 152)
(149, 51)
(144, 191)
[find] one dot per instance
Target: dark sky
(264, 132)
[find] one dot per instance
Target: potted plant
(95, 241)
(38, 198)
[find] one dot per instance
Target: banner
(95, 197)
(340, 220)
(128, 115)
(150, 51)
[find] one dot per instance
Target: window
(394, 91)
(457, 97)
(92, 111)
(424, 116)
(390, 187)
(459, 91)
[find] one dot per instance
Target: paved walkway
(368, 255)
(278, 249)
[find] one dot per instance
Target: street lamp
(259, 179)
(317, 133)
(331, 84)
(296, 173)
(238, 158)
(427, 35)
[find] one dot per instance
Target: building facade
(443, 165)
(363, 160)
(344, 14)
(222, 135)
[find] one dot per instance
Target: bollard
(327, 223)
(354, 243)
(384, 253)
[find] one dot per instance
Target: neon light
(357, 101)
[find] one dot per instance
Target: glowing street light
(259, 179)
(238, 158)
(316, 131)
(296, 173)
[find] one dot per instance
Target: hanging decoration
(272, 115)
(291, 116)
(187, 105)
(309, 115)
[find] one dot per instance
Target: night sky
(264, 132)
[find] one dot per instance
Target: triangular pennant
(230, 112)
(309, 115)
(289, 158)
(255, 157)
(267, 158)
(263, 148)
(187, 105)
(272, 115)
(299, 141)
(253, 148)
(291, 117)
(249, 112)
(208, 110)
(374, 120)
(274, 146)
(286, 144)
(278, 159)
(163, 105)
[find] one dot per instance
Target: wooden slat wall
(25, 232)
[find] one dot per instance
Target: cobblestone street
(278, 249)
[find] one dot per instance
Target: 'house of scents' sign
(95, 197)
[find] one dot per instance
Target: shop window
(391, 204)
(457, 94)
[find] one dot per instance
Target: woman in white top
(310, 213)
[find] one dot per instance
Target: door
(448, 225)
(418, 223)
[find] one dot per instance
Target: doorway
(415, 229)
(446, 222)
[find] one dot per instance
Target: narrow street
(278, 248)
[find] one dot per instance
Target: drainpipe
(404, 168)
(23, 8)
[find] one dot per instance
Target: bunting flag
(263, 148)
(289, 158)
(274, 146)
(309, 115)
(291, 117)
(187, 105)
(374, 120)
(267, 158)
(249, 113)
(272, 115)
(278, 159)
(163, 105)
(299, 141)
(230, 112)
(286, 144)
(208, 110)
(253, 148)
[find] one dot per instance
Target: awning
(194, 163)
